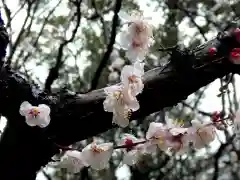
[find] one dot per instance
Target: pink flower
(35, 115)
(73, 161)
(137, 38)
(131, 77)
(201, 134)
(97, 155)
(121, 102)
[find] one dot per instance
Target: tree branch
(107, 54)
(74, 117)
(54, 71)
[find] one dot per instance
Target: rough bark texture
(74, 117)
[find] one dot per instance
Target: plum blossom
(132, 153)
(171, 136)
(156, 135)
(35, 115)
(120, 101)
(138, 37)
(97, 155)
(73, 161)
(131, 77)
(201, 134)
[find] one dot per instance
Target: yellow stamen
(128, 114)
(160, 140)
(179, 122)
(95, 149)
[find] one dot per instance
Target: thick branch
(23, 149)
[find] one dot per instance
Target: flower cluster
(170, 137)
(121, 99)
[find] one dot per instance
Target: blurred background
(63, 43)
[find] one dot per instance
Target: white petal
(100, 160)
(124, 16)
(126, 72)
(44, 122)
(43, 108)
(120, 120)
(134, 105)
(135, 55)
(31, 122)
(177, 131)
(130, 158)
(24, 107)
(109, 103)
(196, 123)
(139, 66)
(72, 160)
(111, 89)
(153, 130)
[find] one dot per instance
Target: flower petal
(120, 120)
(24, 108)
(44, 122)
(177, 131)
(72, 161)
(111, 89)
(43, 108)
(31, 122)
(109, 103)
(134, 105)
(98, 160)
(154, 130)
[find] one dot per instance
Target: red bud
(212, 51)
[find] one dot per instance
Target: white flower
(131, 154)
(157, 134)
(201, 133)
(97, 156)
(176, 127)
(168, 137)
(131, 77)
(120, 101)
(73, 161)
(137, 38)
(35, 115)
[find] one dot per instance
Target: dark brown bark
(74, 117)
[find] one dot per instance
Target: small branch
(107, 54)
(53, 73)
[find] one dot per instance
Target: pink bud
(212, 51)
(235, 56)
(128, 142)
(216, 116)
